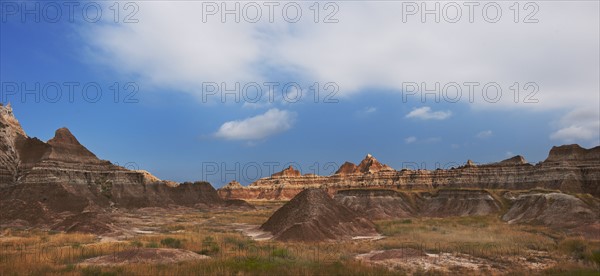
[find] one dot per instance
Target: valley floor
(457, 245)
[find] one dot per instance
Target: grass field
(506, 247)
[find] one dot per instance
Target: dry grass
(212, 234)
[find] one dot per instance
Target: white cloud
(484, 134)
(509, 154)
(430, 140)
(425, 113)
(370, 47)
(366, 111)
(370, 109)
(579, 126)
(274, 121)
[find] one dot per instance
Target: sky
(192, 90)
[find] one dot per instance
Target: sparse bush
(595, 257)
(280, 253)
(152, 245)
(574, 247)
(209, 246)
(171, 243)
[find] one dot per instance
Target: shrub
(280, 253)
(136, 243)
(171, 243)
(574, 247)
(595, 257)
(209, 246)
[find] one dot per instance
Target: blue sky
(168, 129)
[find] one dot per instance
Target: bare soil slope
(313, 216)
(553, 209)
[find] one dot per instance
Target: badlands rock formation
(568, 168)
(553, 209)
(314, 216)
(60, 184)
(579, 213)
(386, 204)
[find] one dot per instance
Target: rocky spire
(371, 165)
(7, 118)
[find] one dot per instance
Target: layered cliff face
(387, 204)
(54, 182)
(568, 168)
(553, 209)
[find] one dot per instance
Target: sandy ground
(412, 261)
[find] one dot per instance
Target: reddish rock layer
(568, 168)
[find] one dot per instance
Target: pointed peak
(371, 165)
(64, 136)
(346, 168)
(470, 163)
(515, 160)
(289, 171)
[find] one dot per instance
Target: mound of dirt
(86, 222)
(376, 203)
(145, 256)
(313, 216)
(239, 204)
(458, 203)
(553, 209)
(50, 197)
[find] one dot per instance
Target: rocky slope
(568, 168)
(387, 204)
(553, 209)
(313, 216)
(577, 214)
(61, 184)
